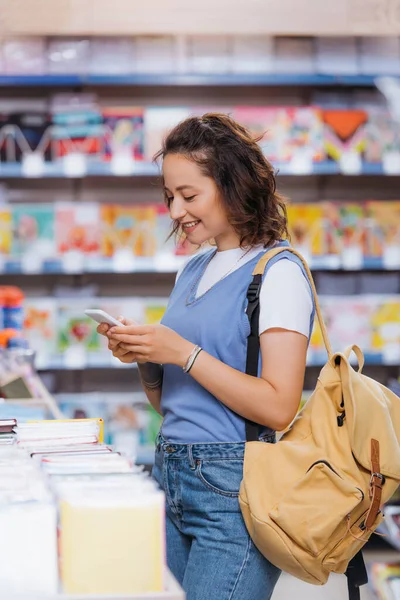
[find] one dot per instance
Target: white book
(209, 54)
(337, 56)
(154, 54)
(380, 55)
(28, 552)
(294, 55)
(252, 54)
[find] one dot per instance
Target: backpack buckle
(253, 291)
(379, 476)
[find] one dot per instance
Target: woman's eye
(189, 198)
(168, 200)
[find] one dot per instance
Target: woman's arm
(147, 373)
(154, 397)
(271, 400)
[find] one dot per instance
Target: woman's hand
(124, 356)
(151, 343)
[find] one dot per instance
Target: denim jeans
(208, 548)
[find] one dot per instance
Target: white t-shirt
(285, 297)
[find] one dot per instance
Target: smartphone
(100, 316)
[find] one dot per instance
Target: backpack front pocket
(316, 507)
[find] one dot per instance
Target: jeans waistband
(200, 451)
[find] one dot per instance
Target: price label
(75, 358)
(352, 258)
(73, 261)
(32, 165)
(391, 163)
(75, 165)
(301, 164)
(123, 261)
(350, 163)
(391, 353)
(391, 257)
(122, 164)
(32, 263)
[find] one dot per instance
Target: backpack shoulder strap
(259, 271)
(253, 314)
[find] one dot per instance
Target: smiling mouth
(190, 225)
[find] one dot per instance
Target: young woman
(219, 187)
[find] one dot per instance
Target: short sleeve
(285, 299)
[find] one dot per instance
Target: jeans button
(169, 450)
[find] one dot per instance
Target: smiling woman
(196, 209)
(219, 187)
(241, 184)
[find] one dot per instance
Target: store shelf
(62, 362)
(395, 542)
(189, 79)
(172, 592)
(164, 264)
(83, 265)
(144, 169)
(93, 169)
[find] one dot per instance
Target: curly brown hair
(227, 152)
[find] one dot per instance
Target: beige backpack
(312, 500)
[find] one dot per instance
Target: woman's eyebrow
(180, 188)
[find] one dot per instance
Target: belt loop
(192, 462)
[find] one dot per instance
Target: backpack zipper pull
(341, 418)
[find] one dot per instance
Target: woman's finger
(117, 352)
(138, 330)
(138, 350)
(127, 338)
(103, 328)
(113, 344)
(127, 358)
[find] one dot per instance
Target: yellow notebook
(111, 546)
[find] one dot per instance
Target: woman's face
(194, 202)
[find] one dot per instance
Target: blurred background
(86, 95)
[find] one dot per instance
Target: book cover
(129, 227)
(267, 124)
(154, 310)
(303, 133)
(344, 132)
(75, 329)
(382, 135)
(5, 231)
(348, 319)
(351, 225)
(33, 230)
(78, 227)
(383, 226)
(124, 131)
(385, 328)
(40, 327)
(158, 123)
(306, 228)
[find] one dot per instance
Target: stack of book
(7, 432)
(80, 518)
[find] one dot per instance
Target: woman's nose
(177, 209)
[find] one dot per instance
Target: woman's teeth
(190, 226)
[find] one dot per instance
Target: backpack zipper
(325, 462)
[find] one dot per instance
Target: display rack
(172, 592)
(173, 79)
